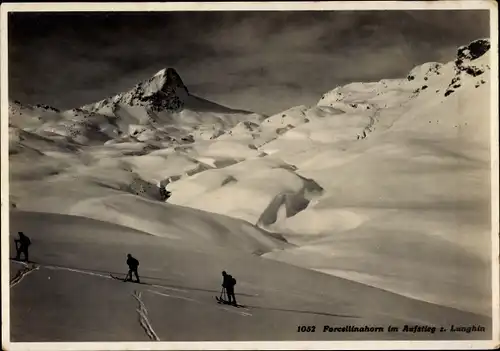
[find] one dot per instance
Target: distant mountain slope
(164, 91)
(315, 141)
(401, 163)
(159, 110)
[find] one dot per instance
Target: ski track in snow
(141, 312)
(143, 317)
(22, 273)
(77, 271)
(107, 276)
(245, 314)
(88, 272)
(228, 309)
(168, 288)
(173, 296)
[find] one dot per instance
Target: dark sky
(260, 61)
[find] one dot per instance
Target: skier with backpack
(133, 264)
(22, 245)
(228, 284)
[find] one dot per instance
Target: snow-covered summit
(159, 109)
(471, 62)
(163, 91)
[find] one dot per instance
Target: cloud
(262, 61)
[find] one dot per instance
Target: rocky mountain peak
(163, 91)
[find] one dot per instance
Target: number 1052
(307, 329)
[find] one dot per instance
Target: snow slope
(409, 208)
(401, 163)
(77, 300)
(376, 199)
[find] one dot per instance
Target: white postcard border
(246, 6)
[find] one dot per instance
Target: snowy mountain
(380, 192)
(159, 110)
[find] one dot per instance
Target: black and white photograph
(249, 175)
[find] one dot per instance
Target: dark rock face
(170, 99)
(161, 92)
(161, 101)
(474, 50)
(47, 107)
(465, 63)
(469, 53)
(173, 80)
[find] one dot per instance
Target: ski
(127, 281)
(115, 277)
(219, 300)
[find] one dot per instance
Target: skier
(132, 268)
(22, 246)
(228, 283)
